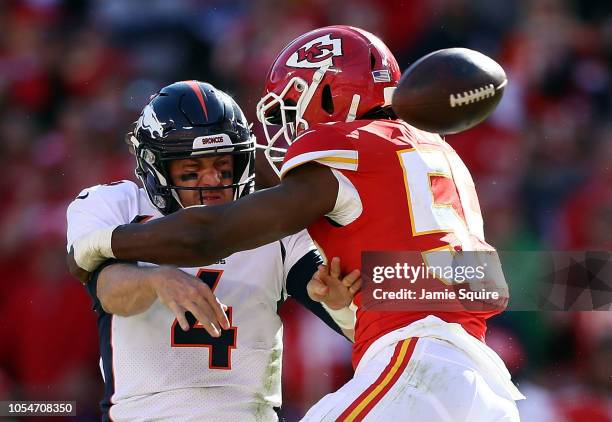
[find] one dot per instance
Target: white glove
(94, 248)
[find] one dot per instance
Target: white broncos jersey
(153, 370)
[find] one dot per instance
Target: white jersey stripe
(338, 159)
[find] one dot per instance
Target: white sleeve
(101, 206)
(348, 205)
(296, 247)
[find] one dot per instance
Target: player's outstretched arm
(201, 235)
(126, 289)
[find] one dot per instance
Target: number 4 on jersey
(219, 348)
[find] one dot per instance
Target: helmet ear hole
(327, 102)
(372, 61)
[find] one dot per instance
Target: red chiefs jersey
(416, 195)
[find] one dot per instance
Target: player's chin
(216, 199)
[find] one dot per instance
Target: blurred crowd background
(75, 74)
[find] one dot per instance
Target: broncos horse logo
(148, 120)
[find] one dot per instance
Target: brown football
(449, 91)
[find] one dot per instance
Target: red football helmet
(333, 74)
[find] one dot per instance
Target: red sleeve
(325, 145)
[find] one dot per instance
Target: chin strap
(305, 100)
(352, 114)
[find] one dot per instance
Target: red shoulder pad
(324, 144)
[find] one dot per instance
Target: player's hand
(74, 269)
(181, 292)
(326, 285)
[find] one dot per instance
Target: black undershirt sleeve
(297, 279)
(92, 285)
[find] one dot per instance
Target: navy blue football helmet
(190, 119)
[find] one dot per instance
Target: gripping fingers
(321, 272)
(179, 312)
(351, 278)
(355, 287)
(212, 329)
(334, 268)
(218, 308)
(205, 317)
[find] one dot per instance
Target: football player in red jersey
(360, 180)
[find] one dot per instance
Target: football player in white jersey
(169, 349)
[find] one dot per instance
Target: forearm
(124, 289)
(265, 176)
(171, 240)
(199, 236)
(196, 236)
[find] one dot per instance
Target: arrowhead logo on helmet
(148, 120)
(316, 53)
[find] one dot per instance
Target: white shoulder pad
(101, 206)
(335, 159)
